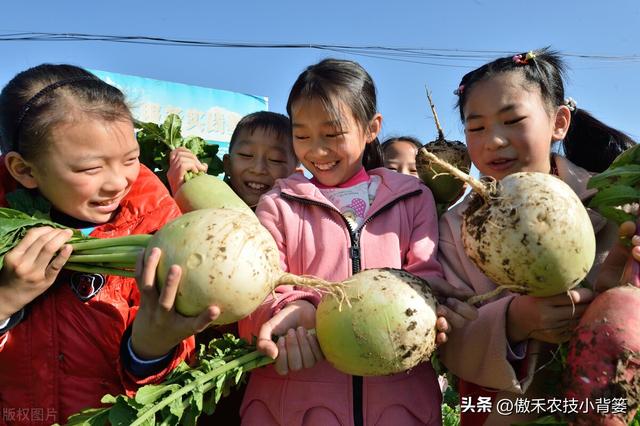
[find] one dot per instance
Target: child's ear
(20, 169)
(226, 164)
(561, 123)
(375, 125)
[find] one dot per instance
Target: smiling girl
(514, 110)
(69, 144)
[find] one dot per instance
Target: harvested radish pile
(386, 325)
(445, 187)
(528, 232)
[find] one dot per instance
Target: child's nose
(497, 141)
(116, 181)
(259, 165)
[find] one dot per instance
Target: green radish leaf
(151, 393)
(615, 195)
(630, 156)
(90, 417)
(176, 408)
(628, 175)
(171, 128)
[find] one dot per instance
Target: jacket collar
(393, 185)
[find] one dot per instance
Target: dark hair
(37, 99)
(271, 122)
(390, 141)
(333, 80)
(589, 143)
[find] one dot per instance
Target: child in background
(514, 110)
(400, 154)
(68, 140)
(352, 215)
(260, 152)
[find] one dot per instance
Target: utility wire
(457, 58)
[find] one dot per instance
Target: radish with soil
(529, 232)
(604, 357)
(445, 187)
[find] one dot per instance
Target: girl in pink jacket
(347, 218)
(514, 110)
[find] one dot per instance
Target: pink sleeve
(478, 351)
(270, 217)
(421, 258)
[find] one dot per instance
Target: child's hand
(548, 319)
(452, 311)
(181, 161)
(31, 267)
(612, 269)
(296, 348)
(157, 327)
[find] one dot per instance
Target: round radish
(386, 325)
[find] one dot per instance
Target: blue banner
(211, 114)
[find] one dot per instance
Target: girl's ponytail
(372, 157)
(591, 144)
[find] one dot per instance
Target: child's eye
(277, 161)
(301, 137)
(131, 161)
(90, 170)
(243, 155)
(514, 121)
(475, 129)
(335, 134)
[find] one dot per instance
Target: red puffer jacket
(64, 355)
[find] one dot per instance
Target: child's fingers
(450, 316)
(46, 247)
(58, 262)
(294, 357)
(146, 272)
(29, 239)
(443, 289)
(170, 289)
(627, 229)
(307, 355)
(281, 365)
(264, 343)
(315, 346)
(205, 318)
(30, 248)
(576, 296)
(441, 338)
(464, 310)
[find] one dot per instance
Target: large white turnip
(528, 232)
(386, 325)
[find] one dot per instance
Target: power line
(458, 58)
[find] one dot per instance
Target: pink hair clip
(523, 60)
(459, 90)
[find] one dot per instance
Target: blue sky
(610, 88)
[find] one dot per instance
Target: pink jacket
(400, 231)
(477, 353)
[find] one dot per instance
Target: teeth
(325, 166)
(256, 186)
(105, 203)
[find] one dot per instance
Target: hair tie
(47, 89)
(571, 104)
(459, 90)
(521, 59)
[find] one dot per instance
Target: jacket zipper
(354, 253)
